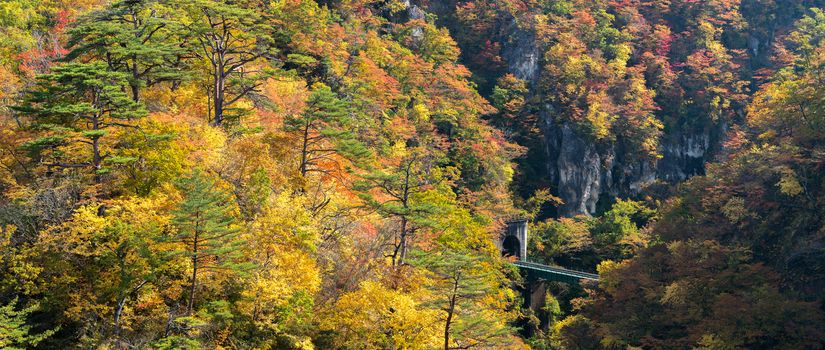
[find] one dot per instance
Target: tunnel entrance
(513, 241)
(511, 247)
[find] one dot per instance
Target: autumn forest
(344, 174)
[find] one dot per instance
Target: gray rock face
(415, 13)
(684, 155)
(412, 12)
(582, 172)
(521, 52)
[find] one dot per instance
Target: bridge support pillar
(536, 295)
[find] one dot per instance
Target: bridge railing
(536, 262)
(557, 270)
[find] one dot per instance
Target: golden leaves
(375, 317)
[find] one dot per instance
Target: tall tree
(390, 191)
(78, 104)
(460, 283)
(206, 225)
(325, 130)
(235, 43)
(135, 37)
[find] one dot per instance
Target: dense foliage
(301, 174)
(733, 259)
(209, 174)
(628, 76)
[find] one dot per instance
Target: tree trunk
(406, 204)
(218, 94)
(121, 301)
(169, 320)
(217, 98)
(447, 332)
(135, 92)
(304, 151)
(191, 304)
(403, 242)
(97, 159)
(450, 312)
(134, 85)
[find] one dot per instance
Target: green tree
(79, 104)
(134, 37)
(15, 332)
(509, 97)
(461, 281)
(325, 130)
(617, 233)
(391, 191)
(235, 43)
(806, 41)
(206, 225)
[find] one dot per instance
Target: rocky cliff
(582, 172)
(588, 175)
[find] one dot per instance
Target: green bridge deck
(535, 271)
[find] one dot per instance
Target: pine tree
(206, 225)
(235, 43)
(78, 103)
(325, 129)
(15, 332)
(391, 193)
(135, 37)
(461, 282)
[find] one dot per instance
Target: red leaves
(490, 55)
(664, 39)
(584, 18)
(47, 47)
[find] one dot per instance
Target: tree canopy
(338, 174)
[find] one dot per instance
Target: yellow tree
(108, 255)
(278, 295)
(375, 317)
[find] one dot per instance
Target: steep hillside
(739, 262)
(337, 174)
(618, 95)
(246, 174)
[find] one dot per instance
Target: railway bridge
(514, 243)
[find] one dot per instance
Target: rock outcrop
(581, 172)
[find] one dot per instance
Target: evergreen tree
(235, 43)
(325, 129)
(206, 225)
(391, 192)
(15, 332)
(134, 37)
(79, 104)
(461, 281)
